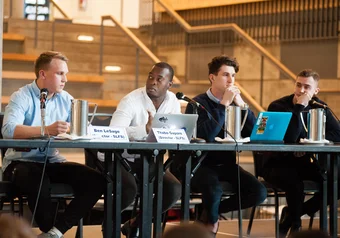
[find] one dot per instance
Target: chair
(6, 187)
(6, 193)
(176, 162)
(59, 191)
(272, 191)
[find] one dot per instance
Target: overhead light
(113, 68)
(85, 38)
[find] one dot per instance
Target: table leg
(108, 196)
(186, 176)
(324, 162)
(333, 213)
(240, 232)
(145, 227)
(117, 201)
(157, 228)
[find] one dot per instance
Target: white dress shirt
(132, 112)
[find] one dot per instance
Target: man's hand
(239, 101)
(57, 128)
(148, 125)
(229, 95)
(304, 99)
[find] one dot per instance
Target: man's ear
(211, 77)
(316, 91)
(170, 84)
(42, 74)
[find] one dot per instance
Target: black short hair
(216, 63)
(164, 65)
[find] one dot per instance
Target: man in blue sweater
(221, 165)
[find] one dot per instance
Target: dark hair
(164, 65)
(45, 58)
(216, 63)
(308, 73)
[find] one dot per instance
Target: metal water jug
(79, 117)
(233, 121)
(316, 124)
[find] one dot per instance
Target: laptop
(270, 127)
(176, 121)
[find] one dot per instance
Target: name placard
(117, 134)
(172, 136)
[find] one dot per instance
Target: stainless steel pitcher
(233, 121)
(79, 117)
(316, 124)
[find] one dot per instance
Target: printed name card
(116, 134)
(172, 136)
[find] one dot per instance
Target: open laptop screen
(176, 121)
(270, 127)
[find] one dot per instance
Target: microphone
(43, 98)
(181, 96)
(313, 103)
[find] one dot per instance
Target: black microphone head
(44, 91)
(311, 102)
(315, 104)
(179, 95)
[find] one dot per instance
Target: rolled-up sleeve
(123, 117)
(14, 114)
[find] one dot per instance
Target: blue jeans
(207, 181)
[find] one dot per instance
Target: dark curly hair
(216, 63)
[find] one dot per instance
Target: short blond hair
(44, 60)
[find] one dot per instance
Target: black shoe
(129, 230)
(285, 222)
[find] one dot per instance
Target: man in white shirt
(135, 112)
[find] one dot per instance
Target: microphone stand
(43, 125)
(43, 113)
(194, 138)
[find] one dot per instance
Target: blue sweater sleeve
(210, 122)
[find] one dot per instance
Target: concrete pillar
(1, 43)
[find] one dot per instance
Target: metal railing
(59, 9)
(265, 21)
(139, 46)
(63, 13)
(240, 33)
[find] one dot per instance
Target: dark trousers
(171, 186)
(290, 179)
(88, 186)
(129, 186)
(207, 180)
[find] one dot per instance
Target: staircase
(84, 80)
